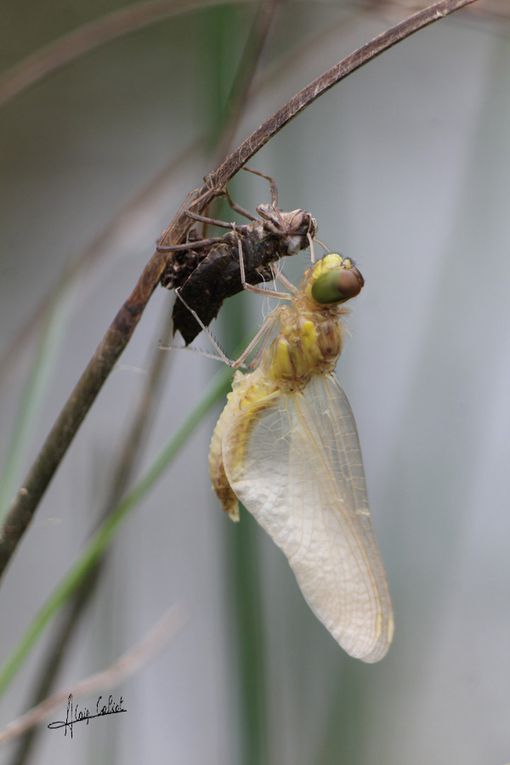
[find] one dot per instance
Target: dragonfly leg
(260, 335)
(242, 210)
(272, 184)
(214, 356)
(210, 221)
(252, 287)
(238, 208)
(224, 224)
(219, 350)
(286, 282)
(190, 245)
(220, 354)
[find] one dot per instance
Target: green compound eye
(337, 285)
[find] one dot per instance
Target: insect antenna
(324, 246)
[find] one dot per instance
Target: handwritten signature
(75, 714)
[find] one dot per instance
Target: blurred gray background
(406, 166)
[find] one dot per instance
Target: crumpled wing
(301, 477)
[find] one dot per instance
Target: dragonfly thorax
(308, 343)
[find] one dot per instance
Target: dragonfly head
(333, 280)
(291, 227)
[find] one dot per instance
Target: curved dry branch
(127, 318)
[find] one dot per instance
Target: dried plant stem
(127, 318)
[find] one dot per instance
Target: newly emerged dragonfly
(286, 446)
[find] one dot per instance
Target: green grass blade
(31, 400)
(106, 532)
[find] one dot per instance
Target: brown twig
(129, 663)
(127, 318)
(491, 10)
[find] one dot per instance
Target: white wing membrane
(302, 479)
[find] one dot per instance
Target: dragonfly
(286, 447)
